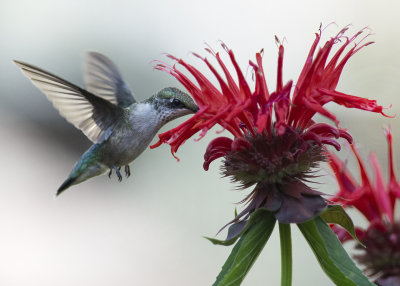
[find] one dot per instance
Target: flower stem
(286, 254)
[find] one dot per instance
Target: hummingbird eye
(176, 103)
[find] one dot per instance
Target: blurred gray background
(148, 229)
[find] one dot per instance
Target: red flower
(276, 144)
(376, 201)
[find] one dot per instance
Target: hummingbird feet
(127, 171)
(117, 172)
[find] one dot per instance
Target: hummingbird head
(172, 103)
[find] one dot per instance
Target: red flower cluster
(240, 111)
(376, 201)
(276, 144)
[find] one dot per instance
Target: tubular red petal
(351, 101)
(263, 82)
(279, 81)
(244, 87)
(347, 184)
(389, 139)
(344, 134)
(324, 129)
(217, 148)
(393, 186)
(312, 136)
(381, 195)
(331, 142)
(219, 143)
(363, 172)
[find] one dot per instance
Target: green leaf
(333, 259)
(247, 249)
(237, 229)
(337, 215)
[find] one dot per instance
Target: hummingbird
(107, 113)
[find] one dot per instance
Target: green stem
(286, 254)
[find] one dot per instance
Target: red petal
(343, 235)
(217, 148)
(381, 195)
(347, 183)
(350, 101)
(393, 186)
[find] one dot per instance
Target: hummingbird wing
(103, 79)
(95, 116)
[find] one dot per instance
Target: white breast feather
(145, 120)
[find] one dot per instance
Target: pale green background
(148, 229)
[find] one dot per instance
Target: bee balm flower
(376, 201)
(276, 146)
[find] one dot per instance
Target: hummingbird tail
(67, 183)
(84, 169)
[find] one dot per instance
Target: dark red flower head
(376, 201)
(276, 145)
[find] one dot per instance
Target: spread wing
(102, 78)
(94, 115)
